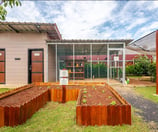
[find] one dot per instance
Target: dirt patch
(23, 96)
(98, 95)
(141, 82)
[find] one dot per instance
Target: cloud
(80, 19)
(91, 19)
(28, 12)
(146, 29)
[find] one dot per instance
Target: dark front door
(2, 66)
(35, 66)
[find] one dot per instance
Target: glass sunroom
(88, 60)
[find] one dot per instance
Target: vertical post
(63, 93)
(56, 51)
(124, 63)
(47, 64)
(108, 63)
(73, 62)
(157, 62)
(91, 60)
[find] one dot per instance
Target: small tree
(142, 64)
(152, 71)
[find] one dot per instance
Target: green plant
(48, 87)
(113, 103)
(84, 101)
(142, 66)
(103, 91)
(84, 96)
(85, 89)
(99, 104)
(99, 70)
(109, 97)
(84, 92)
(152, 71)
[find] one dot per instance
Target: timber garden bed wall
(102, 106)
(17, 105)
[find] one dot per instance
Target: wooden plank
(78, 115)
(124, 114)
(99, 117)
(11, 116)
(6, 115)
(120, 114)
(93, 115)
(104, 115)
(55, 96)
(1, 116)
(128, 114)
(109, 113)
(88, 115)
(84, 115)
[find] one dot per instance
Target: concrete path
(147, 109)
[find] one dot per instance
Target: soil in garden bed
(23, 96)
(98, 95)
(140, 82)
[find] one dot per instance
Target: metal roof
(126, 41)
(21, 27)
(145, 44)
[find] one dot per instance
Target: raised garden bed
(102, 105)
(20, 104)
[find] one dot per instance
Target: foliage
(142, 66)
(84, 101)
(113, 103)
(152, 71)
(54, 117)
(4, 4)
(98, 70)
(84, 92)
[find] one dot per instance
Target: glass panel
(116, 66)
(82, 62)
(65, 58)
(99, 61)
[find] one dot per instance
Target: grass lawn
(55, 117)
(147, 92)
(2, 90)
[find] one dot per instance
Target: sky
(91, 19)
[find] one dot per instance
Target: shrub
(142, 66)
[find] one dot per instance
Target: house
(148, 44)
(35, 52)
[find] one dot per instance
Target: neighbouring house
(147, 44)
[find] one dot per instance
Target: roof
(126, 41)
(20, 27)
(142, 37)
(145, 44)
